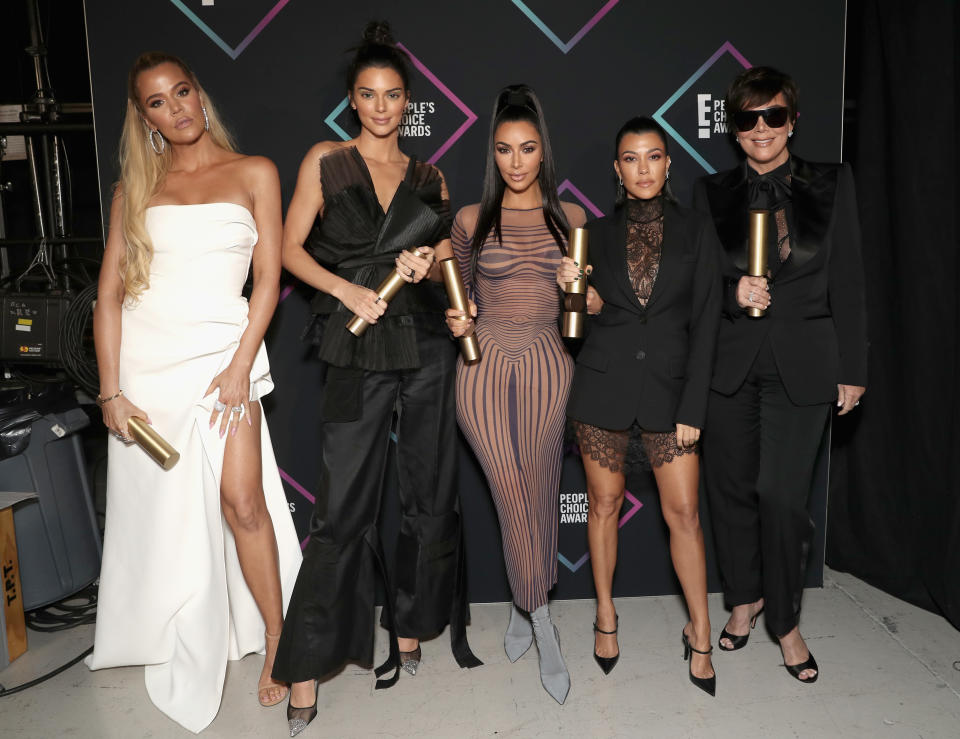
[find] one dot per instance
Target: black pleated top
(358, 241)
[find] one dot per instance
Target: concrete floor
(888, 669)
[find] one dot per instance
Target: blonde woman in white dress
(198, 561)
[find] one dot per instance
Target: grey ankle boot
(519, 634)
(553, 671)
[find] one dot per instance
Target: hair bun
(378, 32)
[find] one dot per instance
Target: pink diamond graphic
(635, 506)
(469, 116)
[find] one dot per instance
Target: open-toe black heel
(299, 718)
(706, 684)
(810, 664)
(739, 641)
(607, 663)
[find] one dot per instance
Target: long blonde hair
(142, 170)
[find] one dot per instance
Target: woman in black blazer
(643, 374)
(776, 375)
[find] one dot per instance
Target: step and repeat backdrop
(276, 70)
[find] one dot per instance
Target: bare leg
(677, 482)
(605, 494)
(244, 508)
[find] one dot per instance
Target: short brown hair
(758, 85)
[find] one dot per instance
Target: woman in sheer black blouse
(643, 374)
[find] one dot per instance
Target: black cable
(17, 688)
(76, 352)
(76, 610)
(65, 614)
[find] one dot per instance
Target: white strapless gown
(172, 595)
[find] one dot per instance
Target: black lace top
(644, 242)
(772, 191)
(624, 450)
(354, 238)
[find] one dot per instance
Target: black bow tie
(770, 191)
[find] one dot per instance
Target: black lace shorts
(629, 449)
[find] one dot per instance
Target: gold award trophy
(575, 300)
(152, 443)
(757, 251)
(469, 347)
(387, 289)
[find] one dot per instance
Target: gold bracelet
(103, 401)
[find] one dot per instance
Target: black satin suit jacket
(816, 322)
(650, 364)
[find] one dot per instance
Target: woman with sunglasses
(776, 375)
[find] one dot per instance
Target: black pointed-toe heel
(810, 664)
(299, 718)
(739, 641)
(607, 663)
(706, 684)
(410, 661)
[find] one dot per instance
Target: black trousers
(330, 617)
(759, 452)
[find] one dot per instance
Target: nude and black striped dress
(511, 405)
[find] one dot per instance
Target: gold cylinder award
(469, 347)
(152, 443)
(575, 300)
(757, 251)
(387, 289)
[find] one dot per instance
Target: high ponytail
(517, 103)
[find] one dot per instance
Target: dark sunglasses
(746, 120)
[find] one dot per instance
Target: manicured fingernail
(222, 432)
(233, 431)
(576, 264)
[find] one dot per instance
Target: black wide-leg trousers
(759, 452)
(330, 617)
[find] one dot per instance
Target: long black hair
(378, 49)
(639, 125)
(517, 103)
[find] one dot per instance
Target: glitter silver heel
(299, 718)
(410, 661)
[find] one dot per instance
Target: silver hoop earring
(206, 121)
(789, 134)
(619, 181)
(668, 174)
(153, 143)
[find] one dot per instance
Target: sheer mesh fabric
(783, 234)
(344, 168)
(644, 242)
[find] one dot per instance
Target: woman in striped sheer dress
(510, 405)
